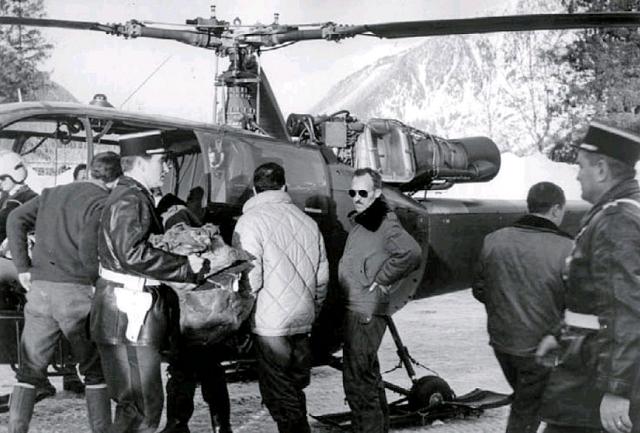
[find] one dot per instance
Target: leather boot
(175, 426)
(98, 408)
(300, 425)
(71, 382)
(45, 390)
(23, 398)
(219, 425)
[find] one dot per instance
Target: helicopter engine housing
(407, 158)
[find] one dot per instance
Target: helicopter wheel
(429, 391)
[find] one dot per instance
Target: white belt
(577, 320)
(131, 299)
(129, 281)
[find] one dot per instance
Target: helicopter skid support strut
(430, 397)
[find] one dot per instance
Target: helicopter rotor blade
(511, 23)
(131, 29)
(63, 24)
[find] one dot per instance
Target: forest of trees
(22, 52)
(604, 82)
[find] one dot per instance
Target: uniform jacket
(519, 279)
(291, 272)
(603, 279)
(378, 249)
(66, 220)
(127, 221)
(21, 196)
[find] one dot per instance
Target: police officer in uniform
(599, 344)
(133, 312)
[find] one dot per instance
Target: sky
(87, 62)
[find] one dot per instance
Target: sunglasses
(361, 192)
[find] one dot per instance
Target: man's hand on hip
(614, 414)
(384, 289)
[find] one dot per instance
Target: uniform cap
(611, 141)
(142, 144)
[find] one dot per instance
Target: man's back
(66, 222)
(292, 263)
(520, 282)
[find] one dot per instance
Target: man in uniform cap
(599, 343)
(132, 312)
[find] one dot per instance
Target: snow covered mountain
(497, 85)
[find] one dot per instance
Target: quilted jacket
(291, 272)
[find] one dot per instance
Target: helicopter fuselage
(214, 165)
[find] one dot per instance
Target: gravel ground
(446, 333)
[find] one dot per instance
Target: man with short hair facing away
(133, 313)
(59, 282)
(599, 345)
(378, 254)
(289, 277)
(519, 280)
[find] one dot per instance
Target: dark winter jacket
(603, 279)
(23, 195)
(128, 219)
(66, 220)
(519, 279)
(379, 250)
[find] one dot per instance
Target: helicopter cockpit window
(51, 147)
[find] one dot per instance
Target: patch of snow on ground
(516, 176)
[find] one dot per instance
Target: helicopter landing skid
(430, 397)
(402, 415)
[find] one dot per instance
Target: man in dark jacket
(378, 254)
(519, 279)
(190, 363)
(599, 351)
(132, 311)
(59, 282)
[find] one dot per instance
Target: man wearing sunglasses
(379, 253)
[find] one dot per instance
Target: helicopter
(213, 162)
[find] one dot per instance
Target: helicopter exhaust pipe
(412, 160)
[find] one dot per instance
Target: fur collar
(535, 222)
(373, 216)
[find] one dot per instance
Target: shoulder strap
(623, 200)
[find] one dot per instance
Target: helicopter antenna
(145, 80)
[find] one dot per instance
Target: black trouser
(134, 381)
(361, 377)
(528, 380)
(192, 365)
(284, 370)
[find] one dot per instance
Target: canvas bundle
(216, 308)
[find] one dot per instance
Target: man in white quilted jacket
(289, 277)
